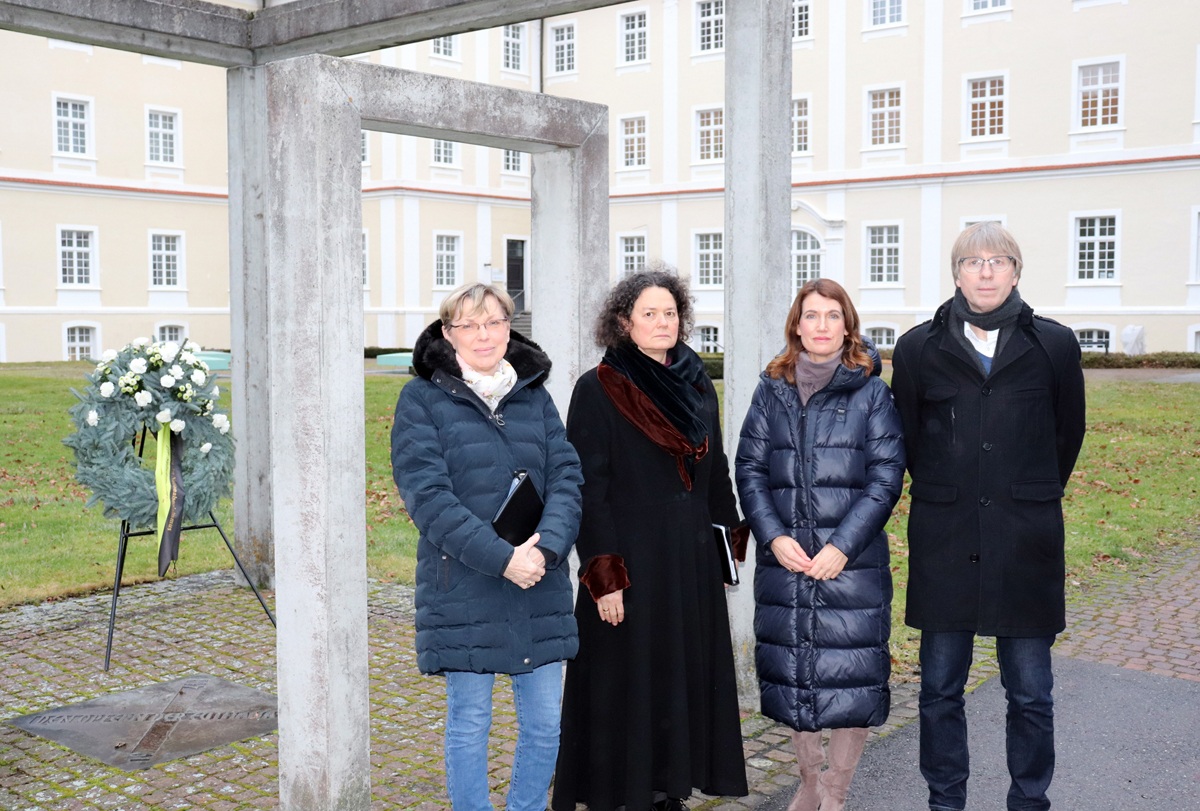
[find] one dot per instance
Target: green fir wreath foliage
(160, 386)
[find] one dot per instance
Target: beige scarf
(490, 388)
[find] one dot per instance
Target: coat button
(987, 390)
(987, 446)
(984, 500)
(526, 661)
(444, 557)
(974, 558)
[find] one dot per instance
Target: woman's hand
(827, 564)
(527, 565)
(790, 554)
(612, 607)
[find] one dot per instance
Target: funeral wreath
(163, 387)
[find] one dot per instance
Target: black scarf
(675, 390)
(1003, 318)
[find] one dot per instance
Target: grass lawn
(1134, 493)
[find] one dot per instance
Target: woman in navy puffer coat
(820, 466)
(477, 412)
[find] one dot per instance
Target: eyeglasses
(999, 264)
(495, 326)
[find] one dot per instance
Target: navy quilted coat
(828, 472)
(452, 460)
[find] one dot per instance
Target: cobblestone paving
(52, 654)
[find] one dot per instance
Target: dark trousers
(1028, 682)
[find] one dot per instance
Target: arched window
(883, 337)
(1094, 340)
(806, 258)
(710, 339)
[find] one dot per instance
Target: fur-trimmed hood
(434, 353)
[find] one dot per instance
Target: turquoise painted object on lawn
(217, 361)
(402, 359)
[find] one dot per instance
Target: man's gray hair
(985, 236)
(469, 298)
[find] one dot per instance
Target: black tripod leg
(112, 612)
(242, 568)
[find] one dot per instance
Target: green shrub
(1156, 360)
(714, 364)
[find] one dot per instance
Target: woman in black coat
(650, 706)
(820, 466)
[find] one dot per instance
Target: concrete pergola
(295, 214)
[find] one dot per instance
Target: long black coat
(826, 473)
(650, 704)
(453, 460)
(989, 459)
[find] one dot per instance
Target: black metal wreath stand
(123, 543)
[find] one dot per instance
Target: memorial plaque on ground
(137, 729)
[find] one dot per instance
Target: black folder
(729, 569)
(521, 511)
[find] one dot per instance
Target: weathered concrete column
(758, 90)
(569, 267)
(250, 344)
(313, 227)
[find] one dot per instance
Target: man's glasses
(999, 264)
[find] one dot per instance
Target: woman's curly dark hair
(612, 326)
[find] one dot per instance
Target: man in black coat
(991, 398)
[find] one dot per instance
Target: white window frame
(97, 343)
(522, 162)
(866, 254)
(968, 220)
(455, 154)
(621, 254)
(1195, 251)
(94, 259)
(1073, 279)
(1193, 338)
(866, 119)
(624, 139)
(1077, 67)
(696, 128)
(807, 99)
(697, 235)
(458, 259)
(569, 47)
(796, 6)
(366, 258)
(995, 11)
(181, 261)
(967, 78)
(183, 330)
(521, 42)
(89, 125)
(365, 152)
(178, 133)
(869, 24)
(438, 47)
(793, 254)
(698, 48)
(1111, 329)
(867, 326)
(700, 343)
(623, 33)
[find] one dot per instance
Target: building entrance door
(515, 258)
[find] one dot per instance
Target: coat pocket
(1037, 491)
(929, 491)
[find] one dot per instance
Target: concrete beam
(318, 479)
(758, 177)
(190, 30)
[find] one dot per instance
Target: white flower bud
(206, 447)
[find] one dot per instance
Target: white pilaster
(837, 85)
(932, 260)
(387, 265)
(670, 91)
(931, 134)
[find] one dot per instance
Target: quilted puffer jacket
(453, 460)
(826, 473)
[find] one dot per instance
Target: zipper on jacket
(497, 417)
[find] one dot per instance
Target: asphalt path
(1125, 740)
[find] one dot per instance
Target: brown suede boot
(845, 749)
(809, 759)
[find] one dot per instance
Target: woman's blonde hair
(985, 236)
(469, 298)
(853, 352)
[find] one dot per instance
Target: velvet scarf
(664, 402)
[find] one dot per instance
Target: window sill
(884, 148)
(449, 62)
(990, 15)
(454, 167)
(514, 75)
(703, 163)
(713, 287)
(708, 56)
(565, 76)
(880, 31)
(1098, 283)
(985, 139)
(881, 286)
(633, 67)
(803, 43)
(1076, 5)
(642, 168)
(1102, 128)
(510, 173)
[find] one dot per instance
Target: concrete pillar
(569, 266)
(251, 348)
(758, 88)
(313, 226)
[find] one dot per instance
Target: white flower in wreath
(143, 341)
(176, 371)
(142, 398)
(138, 366)
(191, 346)
(177, 425)
(167, 381)
(188, 358)
(208, 408)
(216, 392)
(107, 388)
(168, 351)
(163, 416)
(221, 423)
(198, 377)
(109, 355)
(206, 447)
(93, 419)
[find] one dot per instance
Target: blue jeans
(1028, 681)
(538, 696)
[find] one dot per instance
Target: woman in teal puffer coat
(820, 466)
